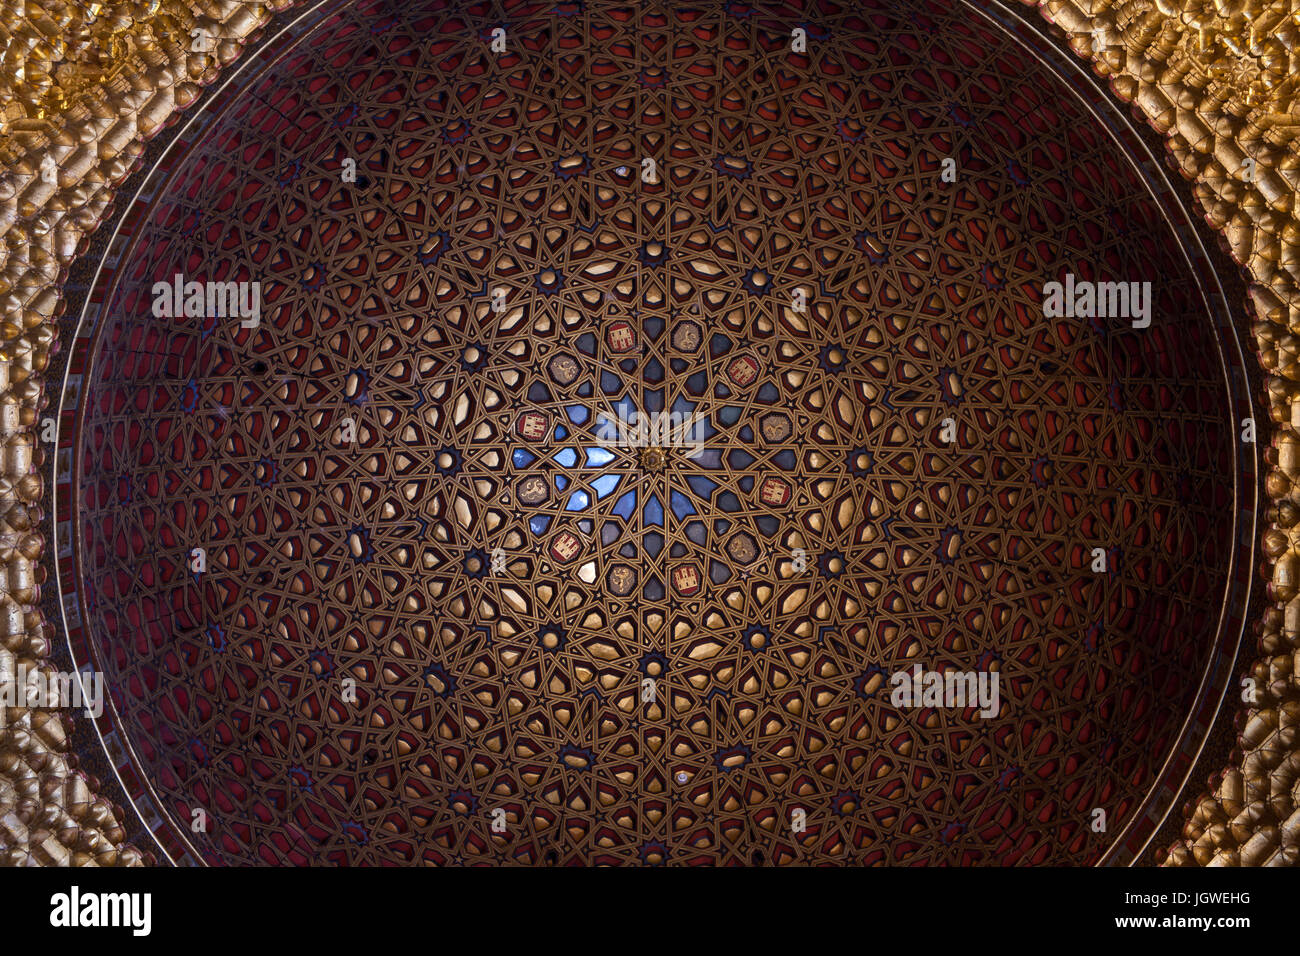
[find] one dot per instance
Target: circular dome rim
(1228, 635)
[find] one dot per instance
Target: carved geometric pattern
(479, 437)
(1219, 83)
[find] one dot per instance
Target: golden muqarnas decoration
(85, 85)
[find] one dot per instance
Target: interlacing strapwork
(88, 84)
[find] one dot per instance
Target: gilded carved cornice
(83, 86)
(1219, 80)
